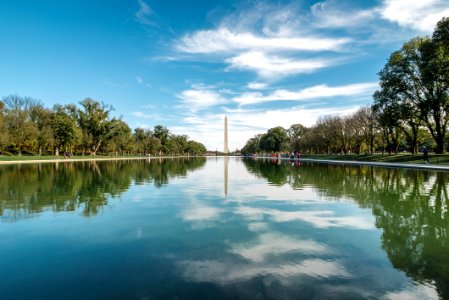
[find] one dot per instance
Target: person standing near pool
(425, 155)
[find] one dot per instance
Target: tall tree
(122, 140)
(22, 131)
(96, 124)
(365, 119)
(389, 121)
(162, 134)
(329, 132)
(274, 139)
(3, 128)
(146, 142)
(295, 133)
(195, 148)
(177, 144)
(252, 145)
(142, 139)
(417, 76)
(64, 126)
(41, 117)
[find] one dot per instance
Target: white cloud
(268, 18)
(265, 39)
(257, 85)
(149, 116)
(266, 118)
(314, 92)
(150, 106)
(141, 81)
(142, 15)
(196, 99)
(276, 41)
(223, 40)
(207, 128)
(419, 15)
(335, 14)
(143, 125)
(271, 66)
(115, 84)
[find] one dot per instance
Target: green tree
(328, 134)
(21, 130)
(145, 142)
(389, 122)
(64, 127)
(42, 117)
(274, 139)
(162, 133)
(417, 76)
(195, 148)
(252, 145)
(140, 137)
(122, 140)
(295, 134)
(96, 124)
(366, 120)
(3, 129)
(405, 114)
(177, 144)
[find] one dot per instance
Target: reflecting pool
(222, 228)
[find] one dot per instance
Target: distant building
(226, 147)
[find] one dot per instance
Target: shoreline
(429, 167)
(62, 159)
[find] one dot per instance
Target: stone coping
(63, 160)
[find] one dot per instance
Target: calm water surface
(222, 229)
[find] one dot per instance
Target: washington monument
(226, 148)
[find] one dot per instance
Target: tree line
(410, 110)
(27, 126)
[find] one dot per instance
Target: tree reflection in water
(410, 207)
(28, 189)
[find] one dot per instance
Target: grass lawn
(441, 159)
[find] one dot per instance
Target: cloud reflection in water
(274, 244)
(219, 272)
(319, 219)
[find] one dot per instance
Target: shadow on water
(28, 189)
(410, 207)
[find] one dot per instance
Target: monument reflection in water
(222, 228)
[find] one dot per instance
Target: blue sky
(187, 64)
